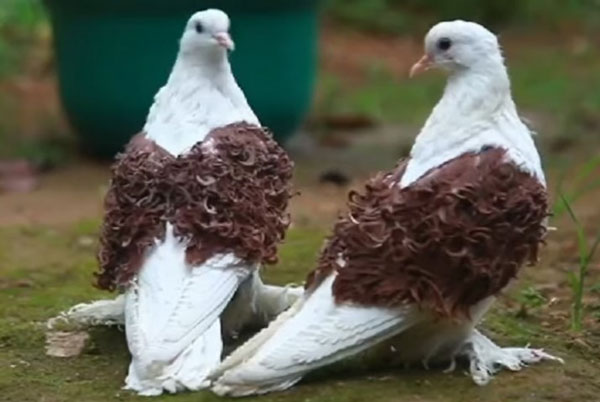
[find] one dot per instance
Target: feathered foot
(486, 358)
(83, 315)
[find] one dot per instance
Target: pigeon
(425, 248)
(196, 204)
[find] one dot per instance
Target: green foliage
(553, 12)
(45, 153)
(401, 15)
(565, 97)
(577, 278)
(377, 15)
(584, 181)
(489, 11)
(20, 26)
(19, 21)
(531, 298)
(23, 13)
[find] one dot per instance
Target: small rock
(17, 175)
(85, 241)
(65, 344)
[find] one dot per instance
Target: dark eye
(199, 27)
(444, 44)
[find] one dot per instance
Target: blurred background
(331, 78)
(326, 73)
(358, 80)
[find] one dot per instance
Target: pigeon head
(476, 109)
(201, 93)
(459, 46)
(206, 33)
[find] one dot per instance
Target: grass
(581, 183)
(530, 299)
(577, 279)
(45, 270)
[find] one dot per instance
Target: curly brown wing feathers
(447, 241)
(229, 197)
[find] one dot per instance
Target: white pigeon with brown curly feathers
(197, 203)
(425, 248)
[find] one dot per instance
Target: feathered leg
(256, 304)
(100, 312)
(486, 358)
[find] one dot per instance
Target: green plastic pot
(113, 55)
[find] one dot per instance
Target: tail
(314, 332)
(172, 318)
(188, 371)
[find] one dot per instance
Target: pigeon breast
(449, 240)
(228, 194)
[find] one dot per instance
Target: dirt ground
(48, 240)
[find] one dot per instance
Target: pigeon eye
(444, 44)
(199, 27)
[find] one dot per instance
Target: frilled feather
(447, 241)
(228, 194)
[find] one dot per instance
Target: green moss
(46, 271)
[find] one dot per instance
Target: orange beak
(420, 66)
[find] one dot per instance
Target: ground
(48, 237)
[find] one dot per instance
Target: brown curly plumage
(445, 242)
(228, 195)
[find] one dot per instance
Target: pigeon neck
(475, 111)
(200, 95)
(470, 96)
(212, 59)
(212, 72)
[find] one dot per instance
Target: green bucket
(113, 55)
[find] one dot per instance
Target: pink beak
(223, 39)
(420, 66)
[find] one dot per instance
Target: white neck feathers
(476, 110)
(200, 95)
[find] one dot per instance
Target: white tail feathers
(315, 332)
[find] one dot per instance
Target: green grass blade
(581, 238)
(592, 251)
(577, 281)
(573, 281)
(582, 175)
